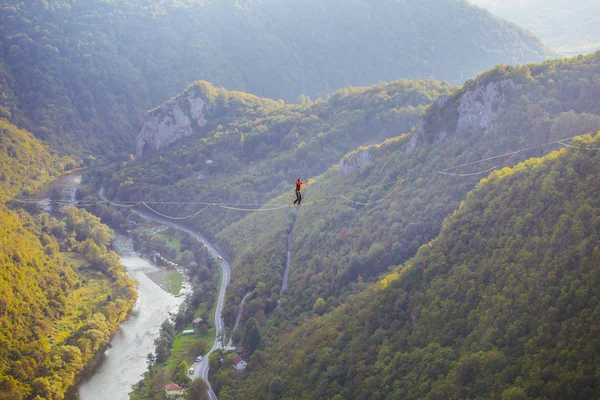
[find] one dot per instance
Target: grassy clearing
(173, 238)
(173, 282)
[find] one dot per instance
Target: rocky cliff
(480, 106)
(163, 126)
(474, 109)
(198, 111)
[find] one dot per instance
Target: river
(123, 363)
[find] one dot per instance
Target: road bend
(201, 368)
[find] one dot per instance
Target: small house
(197, 322)
(208, 162)
(188, 332)
(173, 391)
(239, 364)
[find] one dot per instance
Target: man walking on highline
(299, 184)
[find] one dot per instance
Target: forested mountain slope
(62, 292)
(250, 149)
(25, 162)
(339, 243)
(62, 295)
(504, 304)
(81, 74)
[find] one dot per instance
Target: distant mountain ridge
(568, 27)
(80, 75)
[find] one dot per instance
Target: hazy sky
(566, 26)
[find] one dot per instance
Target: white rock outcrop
(169, 123)
(354, 161)
(480, 107)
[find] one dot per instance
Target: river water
(123, 364)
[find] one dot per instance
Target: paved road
(201, 368)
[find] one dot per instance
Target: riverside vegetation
(63, 290)
(342, 248)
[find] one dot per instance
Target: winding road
(201, 368)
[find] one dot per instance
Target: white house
(239, 364)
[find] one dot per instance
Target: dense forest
(80, 75)
(26, 162)
(413, 271)
(254, 154)
(340, 244)
(62, 291)
(51, 326)
(504, 304)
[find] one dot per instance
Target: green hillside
(26, 163)
(504, 304)
(339, 244)
(259, 147)
(62, 296)
(62, 292)
(341, 247)
(80, 75)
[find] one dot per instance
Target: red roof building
(172, 390)
(239, 364)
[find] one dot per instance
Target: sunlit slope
(504, 303)
(61, 292)
(26, 163)
(340, 243)
(80, 75)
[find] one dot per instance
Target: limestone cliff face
(175, 119)
(475, 109)
(480, 107)
(354, 160)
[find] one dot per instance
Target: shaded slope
(81, 74)
(504, 303)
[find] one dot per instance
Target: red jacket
(299, 185)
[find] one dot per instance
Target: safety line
(254, 209)
(175, 218)
(279, 206)
(371, 202)
(578, 147)
(443, 172)
(512, 153)
(121, 205)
